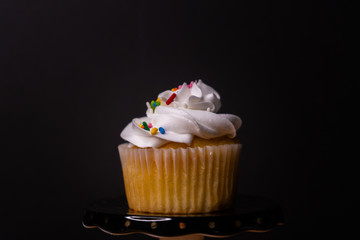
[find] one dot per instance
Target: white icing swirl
(197, 96)
(191, 113)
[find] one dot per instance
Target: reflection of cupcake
(182, 157)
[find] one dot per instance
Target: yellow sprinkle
(158, 100)
(154, 131)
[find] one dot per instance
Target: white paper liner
(180, 180)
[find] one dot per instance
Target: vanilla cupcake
(183, 156)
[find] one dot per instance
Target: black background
(74, 73)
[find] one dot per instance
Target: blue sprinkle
(161, 130)
(154, 104)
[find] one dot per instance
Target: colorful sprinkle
(171, 98)
(191, 84)
(142, 126)
(146, 127)
(174, 89)
(150, 125)
(154, 131)
(152, 105)
(180, 86)
(161, 130)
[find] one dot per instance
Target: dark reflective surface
(249, 214)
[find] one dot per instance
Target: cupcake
(183, 156)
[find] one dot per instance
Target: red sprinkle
(171, 98)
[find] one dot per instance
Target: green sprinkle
(146, 127)
(152, 105)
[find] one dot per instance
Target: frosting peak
(196, 95)
(180, 114)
